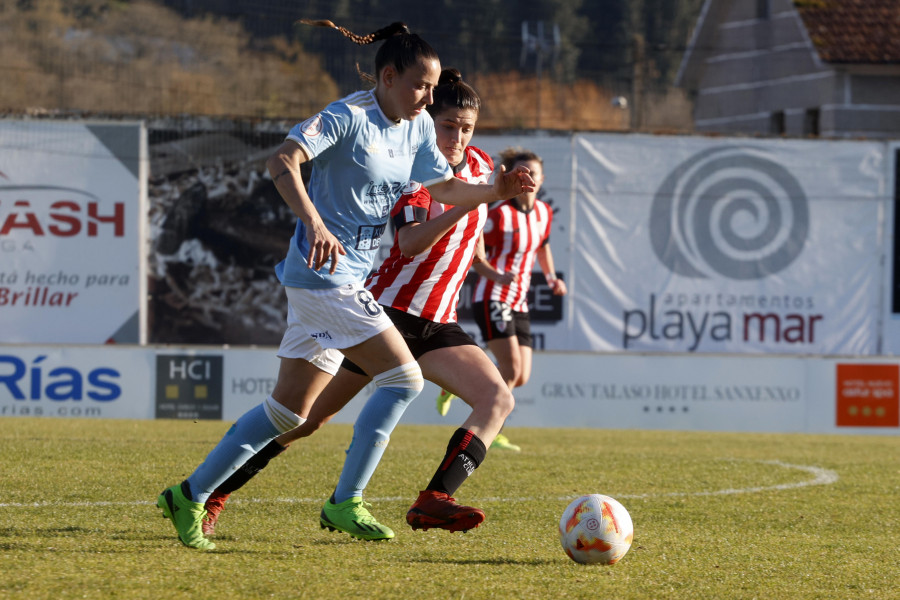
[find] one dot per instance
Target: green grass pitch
(717, 516)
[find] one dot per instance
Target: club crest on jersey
(411, 188)
(500, 326)
(312, 126)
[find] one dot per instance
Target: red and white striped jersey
(427, 285)
(512, 238)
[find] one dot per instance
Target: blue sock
(371, 434)
(245, 438)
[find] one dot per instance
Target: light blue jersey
(361, 162)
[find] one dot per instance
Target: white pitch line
(820, 477)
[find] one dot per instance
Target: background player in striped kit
(418, 285)
(364, 148)
(517, 232)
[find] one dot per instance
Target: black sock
(250, 468)
(464, 453)
(186, 490)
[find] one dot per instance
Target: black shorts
(497, 320)
(421, 335)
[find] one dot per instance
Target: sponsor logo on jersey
(368, 237)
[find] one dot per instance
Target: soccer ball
(595, 529)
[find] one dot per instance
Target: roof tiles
(853, 31)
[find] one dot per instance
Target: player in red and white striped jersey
(516, 234)
(418, 287)
(427, 285)
(512, 237)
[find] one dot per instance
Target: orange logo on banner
(867, 395)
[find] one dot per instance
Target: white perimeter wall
(616, 391)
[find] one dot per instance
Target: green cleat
(351, 516)
(186, 516)
(443, 402)
(501, 442)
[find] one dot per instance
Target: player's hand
(558, 286)
(509, 185)
(323, 246)
(506, 279)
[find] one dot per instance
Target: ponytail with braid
(362, 40)
(401, 48)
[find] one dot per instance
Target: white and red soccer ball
(596, 529)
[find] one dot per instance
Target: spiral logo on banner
(729, 211)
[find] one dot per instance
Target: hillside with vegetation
(245, 60)
(141, 58)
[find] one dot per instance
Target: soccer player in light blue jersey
(364, 149)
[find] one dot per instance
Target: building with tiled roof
(801, 67)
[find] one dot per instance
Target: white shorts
(297, 343)
(332, 318)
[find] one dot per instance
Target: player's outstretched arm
(469, 195)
